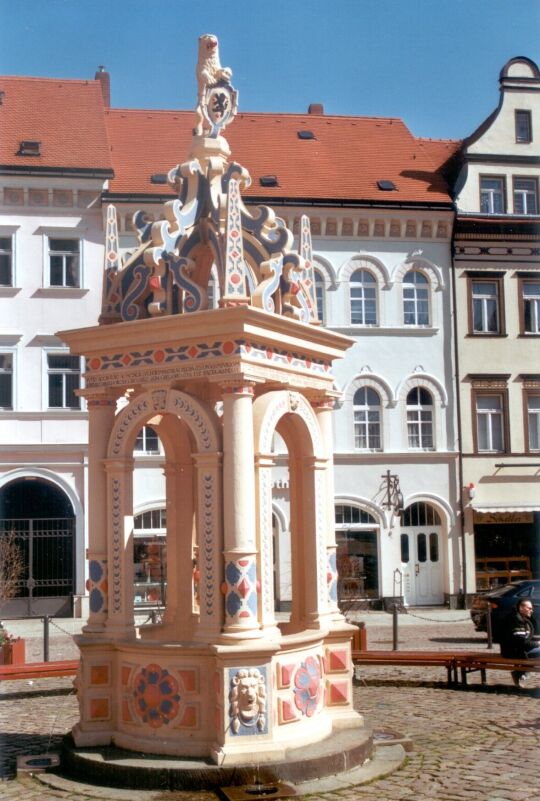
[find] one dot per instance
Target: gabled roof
(343, 162)
(64, 116)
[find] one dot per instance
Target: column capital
(239, 387)
(118, 465)
(101, 396)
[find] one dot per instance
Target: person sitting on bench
(519, 638)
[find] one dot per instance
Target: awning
(494, 509)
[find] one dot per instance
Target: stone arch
(327, 270)
(199, 419)
(421, 379)
(432, 272)
(271, 407)
(365, 262)
(373, 380)
(438, 502)
(292, 415)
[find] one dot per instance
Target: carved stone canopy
(208, 234)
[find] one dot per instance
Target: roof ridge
(37, 78)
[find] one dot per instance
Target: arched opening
(422, 555)
(40, 518)
(357, 555)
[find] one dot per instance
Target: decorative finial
(217, 100)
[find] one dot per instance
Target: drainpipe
(458, 414)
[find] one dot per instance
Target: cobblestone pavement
(479, 744)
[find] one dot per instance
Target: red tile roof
(343, 162)
(65, 116)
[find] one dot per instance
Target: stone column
(120, 622)
(101, 412)
(210, 545)
(240, 588)
(324, 409)
(313, 568)
(263, 482)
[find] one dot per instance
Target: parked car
(501, 602)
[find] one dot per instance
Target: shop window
(150, 558)
(357, 554)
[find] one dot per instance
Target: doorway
(421, 538)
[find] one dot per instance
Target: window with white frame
(363, 289)
(320, 296)
(531, 306)
(64, 377)
(492, 195)
(523, 126)
(6, 380)
(147, 441)
(485, 307)
(64, 262)
(6, 261)
(367, 419)
(420, 419)
(489, 422)
(415, 298)
(525, 196)
(533, 422)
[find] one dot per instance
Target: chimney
(105, 80)
(315, 108)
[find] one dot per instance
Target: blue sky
(434, 63)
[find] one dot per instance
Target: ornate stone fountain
(218, 678)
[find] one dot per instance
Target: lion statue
(209, 71)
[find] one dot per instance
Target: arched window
(320, 296)
(363, 289)
(415, 298)
(367, 419)
(420, 419)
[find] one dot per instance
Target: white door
(421, 566)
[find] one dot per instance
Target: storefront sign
(503, 517)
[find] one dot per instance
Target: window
(533, 422)
(367, 419)
(64, 262)
(319, 296)
(357, 554)
(485, 307)
(64, 372)
(523, 126)
(420, 419)
(363, 288)
(415, 299)
(525, 196)
(6, 381)
(6, 261)
(492, 195)
(530, 293)
(489, 423)
(147, 441)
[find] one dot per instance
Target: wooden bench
(456, 662)
(471, 662)
(39, 670)
(409, 658)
